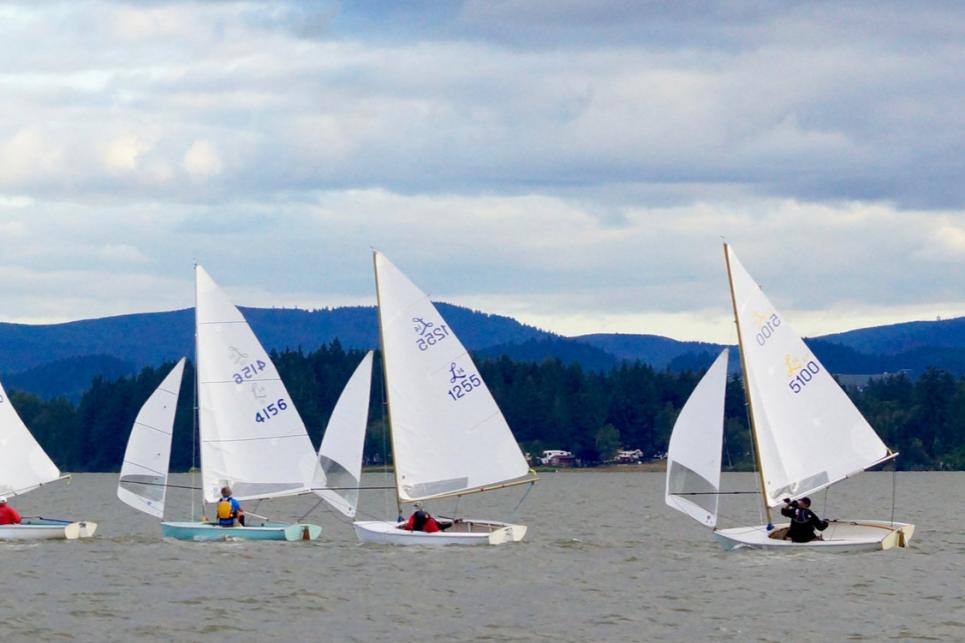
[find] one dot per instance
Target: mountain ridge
(35, 357)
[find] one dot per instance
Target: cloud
(562, 160)
(202, 159)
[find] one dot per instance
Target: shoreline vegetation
(549, 405)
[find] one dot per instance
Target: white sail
(23, 463)
(448, 434)
(693, 457)
(144, 473)
(340, 454)
(809, 433)
(252, 437)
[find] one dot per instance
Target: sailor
(8, 515)
(803, 521)
(421, 520)
(229, 510)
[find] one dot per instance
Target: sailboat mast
(196, 435)
(747, 390)
(385, 380)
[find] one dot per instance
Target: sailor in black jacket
(803, 520)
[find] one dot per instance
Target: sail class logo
(792, 364)
(799, 372)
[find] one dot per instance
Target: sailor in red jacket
(421, 521)
(8, 515)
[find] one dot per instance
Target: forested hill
(147, 339)
(62, 359)
(549, 405)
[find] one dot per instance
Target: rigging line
(349, 488)
(713, 493)
(519, 504)
(314, 507)
(158, 484)
(894, 484)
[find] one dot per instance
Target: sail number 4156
(804, 376)
(271, 410)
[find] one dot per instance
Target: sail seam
(221, 322)
(269, 437)
(254, 379)
(146, 468)
(153, 428)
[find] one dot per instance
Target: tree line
(549, 405)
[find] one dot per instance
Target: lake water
(604, 560)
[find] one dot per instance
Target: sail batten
(809, 433)
(449, 436)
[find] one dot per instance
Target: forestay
(809, 433)
(340, 454)
(448, 434)
(252, 437)
(693, 457)
(23, 463)
(144, 473)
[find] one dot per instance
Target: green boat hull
(200, 531)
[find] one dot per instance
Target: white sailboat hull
(48, 529)
(840, 536)
(463, 532)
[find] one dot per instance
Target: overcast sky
(572, 163)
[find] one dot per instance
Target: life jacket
(226, 514)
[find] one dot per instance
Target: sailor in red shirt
(422, 521)
(8, 515)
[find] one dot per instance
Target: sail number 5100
(804, 376)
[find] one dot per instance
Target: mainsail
(340, 454)
(809, 434)
(693, 457)
(144, 473)
(448, 434)
(252, 437)
(24, 465)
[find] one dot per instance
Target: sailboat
(807, 434)
(25, 466)
(449, 438)
(251, 436)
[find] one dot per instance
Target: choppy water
(604, 560)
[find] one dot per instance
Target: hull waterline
(840, 536)
(462, 532)
(206, 531)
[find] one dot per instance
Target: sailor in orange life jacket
(8, 515)
(229, 510)
(421, 521)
